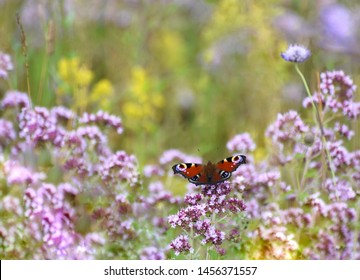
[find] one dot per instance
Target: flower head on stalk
(336, 94)
(212, 201)
(5, 65)
(181, 244)
(296, 53)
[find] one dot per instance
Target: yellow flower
(101, 90)
(67, 69)
(132, 110)
(74, 74)
(158, 100)
(84, 76)
(142, 107)
(102, 94)
(169, 49)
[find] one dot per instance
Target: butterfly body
(210, 173)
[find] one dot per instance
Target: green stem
(192, 242)
(303, 177)
(323, 139)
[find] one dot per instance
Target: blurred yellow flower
(102, 93)
(84, 76)
(67, 68)
(169, 49)
(76, 78)
(73, 73)
(142, 107)
(132, 109)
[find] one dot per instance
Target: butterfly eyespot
(224, 174)
(195, 178)
(181, 167)
(237, 159)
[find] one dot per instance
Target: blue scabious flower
(296, 53)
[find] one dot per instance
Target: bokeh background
(181, 74)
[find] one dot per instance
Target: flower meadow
(85, 174)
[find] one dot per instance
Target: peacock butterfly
(209, 174)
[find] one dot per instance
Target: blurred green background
(181, 74)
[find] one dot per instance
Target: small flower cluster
(286, 134)
(103, 118)
(50, 221)
(181, 244)
(152, 253)
(287, 127)
(217, 200)
(15, 99)
(242, 143)
(338, 241)
(296, 53)
(193, 219)
(157, 194)
(171, 155)
(119, 167)
(38, 125)
(7, 133)
(336, 94)
(17, 174)
(5, 65)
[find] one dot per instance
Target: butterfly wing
(225, 167)
(230, 164)
(191, 171)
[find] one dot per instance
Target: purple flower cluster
(157, 194)
(62, 113)
(119, 167)
(296, 53)
(187, 216)
(340, 190)
(15, 99)
(336, 94)
(38, 125)
(16, 174)
(50, 221)
(288, 127)
(7, 133)
(344, 130)
(181, 244)
(171, 155)
(103, 118)
(153, 170)
(193, 219)
(338, 241)
(217, 200)
(286, 134)
(242, 143)
(152, 253)
(5, 65)
(58, 224)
